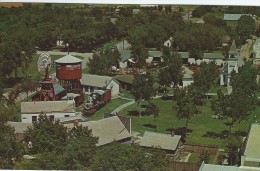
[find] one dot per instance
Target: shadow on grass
(167, 97)
(135, 113)
(211, 134)
(240, 133)
(224, 134)
(150, 126)
(179, 131)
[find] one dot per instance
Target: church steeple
(233, 50)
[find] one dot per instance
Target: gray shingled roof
(212, 167)
(47, 106)
(187, 72)
(252, 149)
(155, 54)
(163, 141)
(233, 48)
(19, 127)
(57, 89)
(71, 119)
(107, 130)
(206, 55)
(125, 78)
(125, 55)
(234, 17)
(68, 59)
(96, 80)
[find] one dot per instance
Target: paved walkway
(118, 109)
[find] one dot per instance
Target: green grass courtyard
(202, 128)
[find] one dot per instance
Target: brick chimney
(172, 133)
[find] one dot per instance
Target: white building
(30, 111)
(231, 65)
(187, 78)
(97, 82)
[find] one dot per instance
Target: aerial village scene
(108, 87)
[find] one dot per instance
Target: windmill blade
(44, 62)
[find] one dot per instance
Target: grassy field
(202, 129)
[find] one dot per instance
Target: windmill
(44, 63)
(46, 92)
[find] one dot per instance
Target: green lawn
(126, 94)
(113, 104)
(203, 128)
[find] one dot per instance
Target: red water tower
(69, 73)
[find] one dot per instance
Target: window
(51, 118)
(34, 118)
(66, 116)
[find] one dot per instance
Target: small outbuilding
(126, 81)
(91, 82)
(167, 142)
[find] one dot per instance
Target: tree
(142, 89)
(103, 60)
(28, 85)
(201, 10)
(81, 148)
(46, 136)
(185, 109)
(232, 146)
(204, 156)
(244, 90)
(152, 109)
(122, 157)
(171, 70)
(139, 54)
(214, 20)
(245, 27)
(206, 76)
(44, 161)
(195, 53)
(9, 149)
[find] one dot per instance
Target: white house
(30, 111)
(96, 82)
(187, 78)
(154, 58)
(234, 61)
